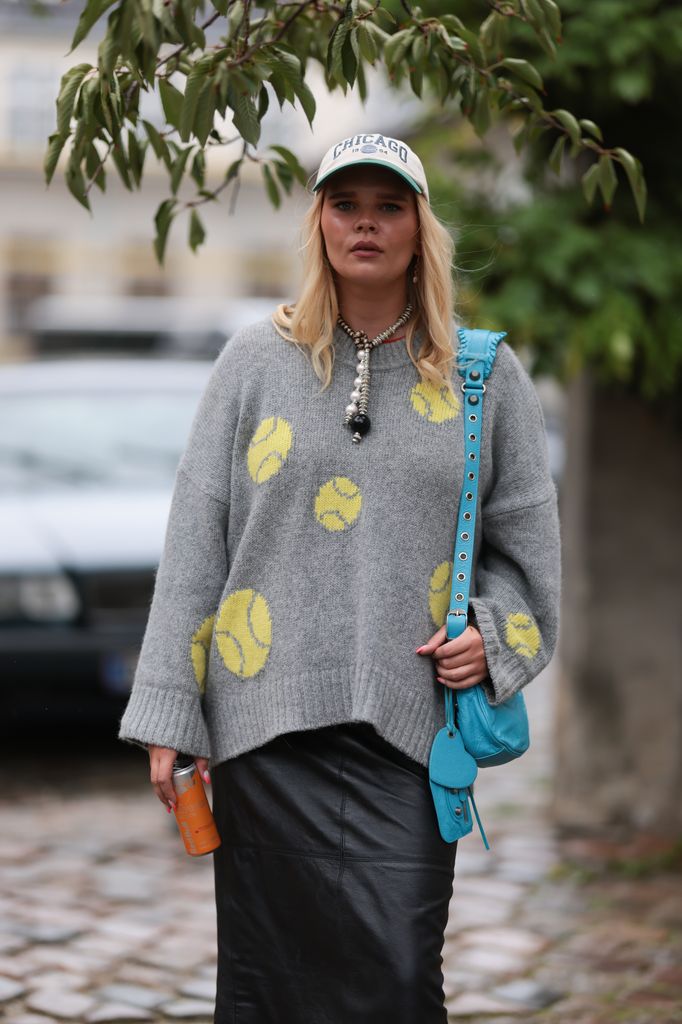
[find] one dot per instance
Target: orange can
(192, 811)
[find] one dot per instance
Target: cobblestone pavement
(103, 917)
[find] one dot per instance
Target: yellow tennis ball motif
(243, 632)
(338, 503)
(201, 645)
(439, 592)
(269, 448)
(522, 634)
(435, 404)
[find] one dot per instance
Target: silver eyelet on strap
(461, 576)
(464, 536)
(463, 555)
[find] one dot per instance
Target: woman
(296, 632)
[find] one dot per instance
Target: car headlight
(49, 597)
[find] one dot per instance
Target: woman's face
(370, 225)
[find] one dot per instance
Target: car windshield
(76, 440)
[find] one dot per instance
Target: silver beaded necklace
(356, 413)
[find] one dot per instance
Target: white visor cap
(377, 149)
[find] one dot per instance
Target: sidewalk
(103, 917)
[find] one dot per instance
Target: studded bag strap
(475, 359)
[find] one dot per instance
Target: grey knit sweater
(300, 571)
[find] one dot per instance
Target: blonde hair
(310, 322)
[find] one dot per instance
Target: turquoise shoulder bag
(476, 733)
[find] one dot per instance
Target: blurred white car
(88, 453)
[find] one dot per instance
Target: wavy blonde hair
(310, 322)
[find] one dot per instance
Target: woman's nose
(365, 222)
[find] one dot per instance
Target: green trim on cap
(383, 163)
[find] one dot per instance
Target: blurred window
(131, 440)
(31, 93)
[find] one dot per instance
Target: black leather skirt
(332, 883)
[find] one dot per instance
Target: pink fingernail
(168, 808)
(207, 777)
(420, 649)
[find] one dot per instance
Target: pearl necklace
(356, 413)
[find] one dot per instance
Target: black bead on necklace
(356, 413)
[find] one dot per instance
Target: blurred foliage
(254, 55)
(580, 286)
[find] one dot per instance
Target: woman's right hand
(161, 761)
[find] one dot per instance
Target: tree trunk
(619, 720)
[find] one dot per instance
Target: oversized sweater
(300, 570)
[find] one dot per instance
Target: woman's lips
(366, 253)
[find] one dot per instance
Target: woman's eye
(342, 204)
(392, 207)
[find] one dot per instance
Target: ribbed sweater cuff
(502, 682)
(166, 718)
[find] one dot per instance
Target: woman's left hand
(460, 663)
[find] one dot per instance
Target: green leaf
(534, 13)
(546, 42)
(553, 15)
(196, 231)
(589, 181)
(473, 45)
(291, 160)
(135, 157)
(556, 154)
(263, 103)
(607, 179)
(368, 47)
(349, 60)
(284, 174)
(221, 6)
(66, 99)
(525, 71)
(179, 169)
(92, 12)
(198, 170)
(245, 118)
(335, 48)
(307, 101)
(95, 168)
(75, 181)
(633, 169)
(416, 81)
(203, 121)
(396, 46)
(480, 117)
(55, 145)
(419, 48)
(591, 127)
(163, 220)
(157, 143)
(171, 101)
(570, 123)
(235, 18)
(108, 50)
(196, 83)
(120, 162)
(271, 187)
(528, 92)
(361, 83)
